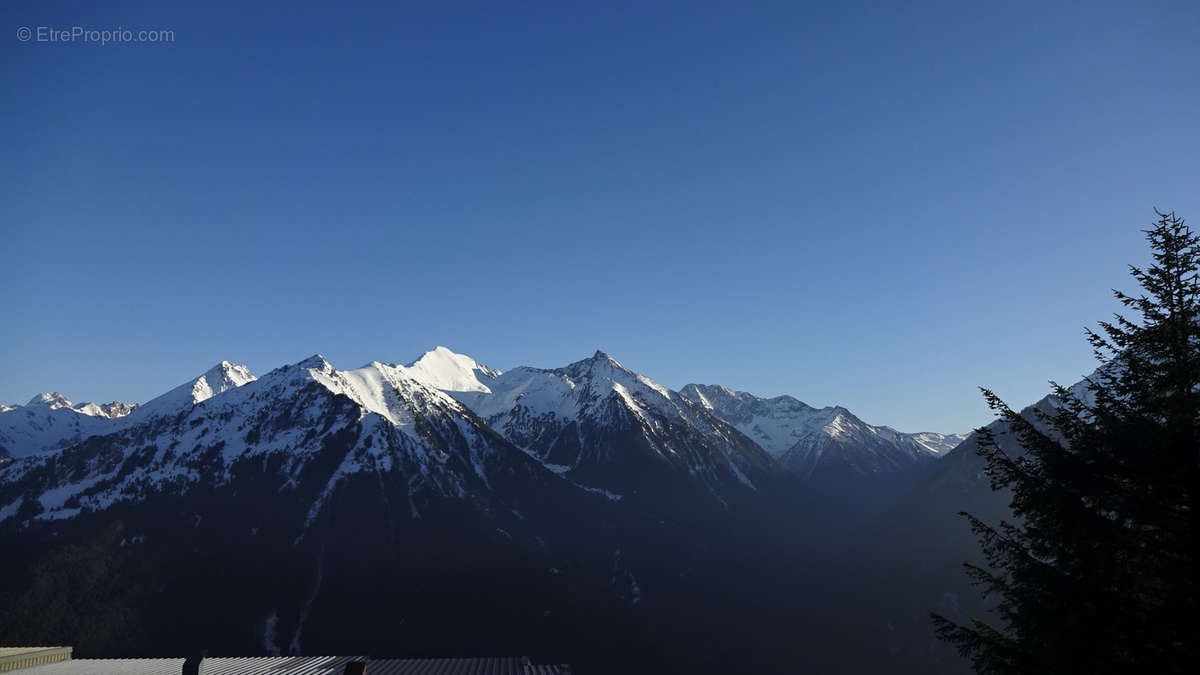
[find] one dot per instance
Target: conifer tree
(1096, 572)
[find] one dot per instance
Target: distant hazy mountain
(821, 444)
(50, 421)
(910, 558)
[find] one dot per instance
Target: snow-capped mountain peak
(51, 421)
(774, 423)
(314, 362)
(443, 369)
(602, 357)
(808, 439)
(111, 410)
(375, 387)
(395, 393)
(600, 361)
(604, 372)
(608, 428)
(220, 378)
(50, 399)
(938, 444)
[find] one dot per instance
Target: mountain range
(820, 444)
(534, 407)
(554, 509)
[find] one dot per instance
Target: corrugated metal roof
(279, 665)
(109, 667)
(295, 665)
(545, 670)
(493, 666)
(17, 658)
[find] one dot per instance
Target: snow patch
(612, 496)
(11, 510)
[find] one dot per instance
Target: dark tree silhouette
(1096, 573)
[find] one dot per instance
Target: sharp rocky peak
(599, 362)
(111, 410)
(316, 361)
(221, 377)
(116, 409)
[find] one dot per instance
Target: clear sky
(879, 205)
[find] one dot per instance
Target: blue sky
(877, 206)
